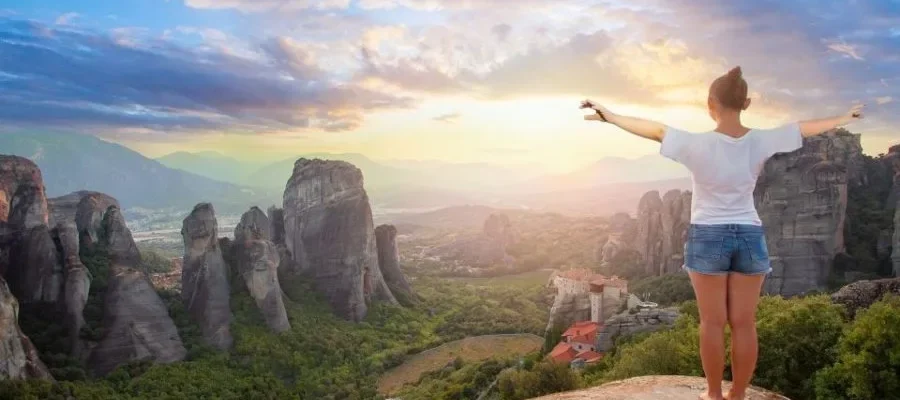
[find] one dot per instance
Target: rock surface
(648, 238)
(655, 387)
(862, 294)
(28, 256)
(77, 284)
(389, 263)
(329, 233)
(135, 319)
(622, 229)
(18, 357)
(257, 262)
(676, 218)
(204, 279)
(628, 323)
(568, 308)
(801, 198)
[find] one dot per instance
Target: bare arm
(817, 126)
(641, 127)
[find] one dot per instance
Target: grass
(471, 349)
(524, 279)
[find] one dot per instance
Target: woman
(725, 254)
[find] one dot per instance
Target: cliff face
(892, 162)
(801, 198)
(28, 255)
(329, 233)
(487, 249)
(18, 357)
(204, 279)
(136, 321)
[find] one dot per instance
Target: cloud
(450, 117)
(845, 49)
(883, 100)
(255, 6)
(502, 31)
(66, 18)
(84, 79)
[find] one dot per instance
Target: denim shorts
(726, 248)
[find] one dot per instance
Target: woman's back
(724, 169)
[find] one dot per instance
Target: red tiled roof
(563, 353)
(582, 332)
(589, 356)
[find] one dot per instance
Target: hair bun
(735, 72)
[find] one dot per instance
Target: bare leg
(743, 298)
(711, 293)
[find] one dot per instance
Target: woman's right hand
(601, 113)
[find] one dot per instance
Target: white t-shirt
(724, 169)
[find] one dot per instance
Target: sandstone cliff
(329, 233)
(204, 279)
(892, 162)
(257, 262)
(485, 250)
(622, 229)
(136, 322)
(655, 388)
(801, 198)
(18, 357)
(629, 323)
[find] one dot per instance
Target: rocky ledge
(654, 388)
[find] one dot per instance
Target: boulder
(862, 294)
(329, 233)
(204, 279)
(632, 322)
(389, 263)
(18, 357)
(136, 322)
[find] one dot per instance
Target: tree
(868, 361)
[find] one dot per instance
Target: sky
(452, 80)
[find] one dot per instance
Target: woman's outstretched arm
(817, 126)
(641, 127)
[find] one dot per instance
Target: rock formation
(18, 357)
(276, 233)
(485, 250)
(676, 218)
(862, 294)
(622, 229)
(801, 198)
(29, 254)
(257, 262)
(77, 284)
(892, 162)
(628, 323)
(330, 234)
(135, 320)
(389, 263)
(655, 387)
(204, 279)
(569, 307)
(85, 210)
(648, 239)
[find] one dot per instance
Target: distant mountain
(610, 170)
(212, 165)
(71, 162)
